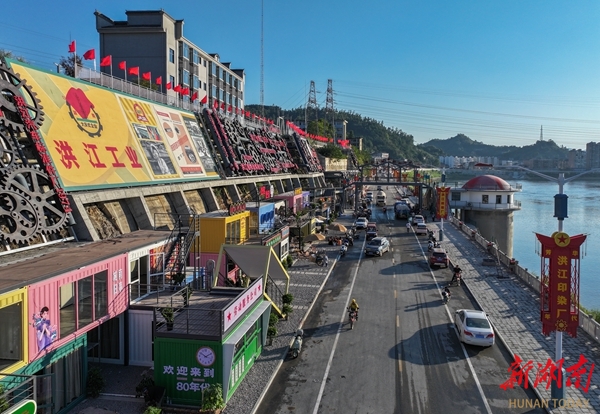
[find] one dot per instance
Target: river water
(537, 216)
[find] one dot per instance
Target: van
(421, 228)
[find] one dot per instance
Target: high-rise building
(592, 155)
(154, 41)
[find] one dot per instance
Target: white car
(421, 228)
(361, 223)
(474, 327)
(418, 219)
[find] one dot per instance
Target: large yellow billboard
(99, 138)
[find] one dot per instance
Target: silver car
(377, 246)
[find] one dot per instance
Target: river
(537, 216)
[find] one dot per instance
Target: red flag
(147, 76)
(194, 96)
(223, 106)
(185, 91)
(122, 65)
(106, 61)
(229, 108)
(204, 100)
(216, 105)
(134, 70)
(159, 80)
(177, 88)
(90, 54)
(72, 47)
(168, 85)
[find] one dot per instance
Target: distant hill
(461, 145)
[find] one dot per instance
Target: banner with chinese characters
(98, 138)
(560, 282)
(442, 202)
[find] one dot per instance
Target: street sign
(24, 407)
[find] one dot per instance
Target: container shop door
(105, 342)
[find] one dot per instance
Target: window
(84, 302)
(485, 199)
(66, 301)
(508, 199)
(213, 69)
(186, 51)
(195, 57)
(455, 195)
(186, 77)
(196, 82)
(213, 92)
(11, 333)
(235, 83)
(498, 199)
(100, 294)
(172, 80)
(223, 75)
(171, 56)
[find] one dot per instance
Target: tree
(68, 66)
(7, 54)
(321, 128)
(362, 156)
(331, 151)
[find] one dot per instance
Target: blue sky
(493, 70)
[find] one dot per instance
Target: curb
(280, 363)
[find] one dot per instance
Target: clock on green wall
(205, 356)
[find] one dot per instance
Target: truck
(381, 198)
(401, 210)
(371, 230)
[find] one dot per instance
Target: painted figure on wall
(45, 332)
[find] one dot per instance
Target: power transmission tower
(329, 106)
(312, 104)
(541, 132)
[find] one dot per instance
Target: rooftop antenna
(541, 132)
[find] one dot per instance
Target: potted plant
(95, 382)
(169, 315)
(286, 309)
(212, 399)
(178, 278)
(271, 333)
(287, 298)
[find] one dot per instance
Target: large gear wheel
(35, 185)
(10, 86)
(19, 218)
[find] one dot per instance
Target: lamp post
(560, 212)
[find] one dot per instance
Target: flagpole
(75, 61)
(111, 75)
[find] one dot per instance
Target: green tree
(7, 54)
(362, 156)
(67, 64)
(331, 151)
(321, 128)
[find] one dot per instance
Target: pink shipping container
(65, 307)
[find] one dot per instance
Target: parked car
(377, 246)
(361, 223)
(438, 257)
(418, 219)
(421, 228)
(474, 327)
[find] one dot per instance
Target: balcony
(471, 205)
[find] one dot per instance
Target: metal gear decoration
(35, 185)
(10, 86)
(8, 153)
(19, 217)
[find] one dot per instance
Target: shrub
(290, 260)
(212, 397)
(287, 309)
(287, 298)
(273, 319)
(3, 403)
(95, 382)
(146, 382)
(272, 331)
(152, 410)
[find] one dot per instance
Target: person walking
(408, 226)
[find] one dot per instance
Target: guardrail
(586, 322)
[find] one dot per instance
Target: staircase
(182, 237)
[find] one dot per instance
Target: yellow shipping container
(217, 228)
(14, 333)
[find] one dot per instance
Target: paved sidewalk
(514, 309)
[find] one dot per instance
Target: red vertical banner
(560, 282)
(442, 202)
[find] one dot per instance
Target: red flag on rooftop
(194, 96)
(185, 91)
(134, 70)
(106, 61)
(90, 54)
(204, 100)
(168, 85)
(72, 47)
(159, 80)
(122, 65)
(147, 76)
(177, 88)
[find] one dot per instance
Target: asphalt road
(403, 356)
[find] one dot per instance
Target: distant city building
(592, 157)
(380, 156)
(153, 41)
(577, 159)
(356, 142)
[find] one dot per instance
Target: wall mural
(44, 330)
(246, 151)
(308, 154)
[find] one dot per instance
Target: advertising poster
(98, 138)
(199, 141)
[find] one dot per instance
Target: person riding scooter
(446, 294)
(297, 344)
(354, 307)
(343, 250)
(456, 275)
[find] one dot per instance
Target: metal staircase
(182, 236)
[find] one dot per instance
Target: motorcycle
(430, 235)
(297, 344)
(446, 295)
(456, 277)
(343, 250)
(430, 246)
(352, 317)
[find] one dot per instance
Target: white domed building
(488, 202)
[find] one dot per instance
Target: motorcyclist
(456, 273)
(446, 293)
(354, 307)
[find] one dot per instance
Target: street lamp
(560, 212)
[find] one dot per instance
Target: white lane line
(467, 357)
(337, 336)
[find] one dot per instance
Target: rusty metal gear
(35, 185)
(10, 86)
(20, 219)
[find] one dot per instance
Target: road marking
(397, 321)
(337, 336)
(467, 357)
(395, 292)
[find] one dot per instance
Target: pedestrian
(326, 261)
(408, 226)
